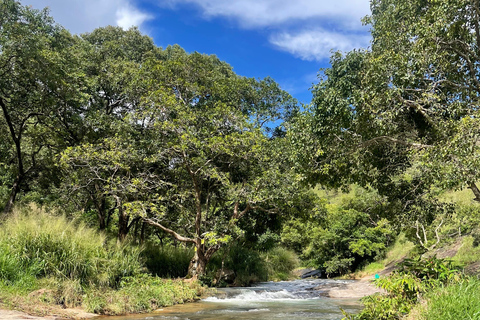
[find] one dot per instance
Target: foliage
(406, 286)
(53, 246)
(247, 264)
(339, 238)
(280, 263)
(457, 301)
(400, 249)
(167, 261)
(39, 78)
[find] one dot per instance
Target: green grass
(461, 197)
(53, 246)
(454, 302)
(468, 252)
(280, 263)
(141, 294)
(47, 260)
(167, 261)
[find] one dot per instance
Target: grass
(468, 252)
(280, 263)
(167, 261)
(461, 197)
(141, 294)
(453, 302)
(48, 245)
(48, 261)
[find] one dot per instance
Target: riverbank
(62, 315)
(339, 289)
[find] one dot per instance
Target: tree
(185, 150)
(220, 170)
(34, 88)
(377, 111)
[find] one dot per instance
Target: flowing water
(292, 300)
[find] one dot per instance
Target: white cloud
(318, 44)
(80, 16)
(319, 25)
(128, 17)
(260, 13)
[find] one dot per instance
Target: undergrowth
(46, 259)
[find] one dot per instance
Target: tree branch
(169, 231)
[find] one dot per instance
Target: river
(292, 300)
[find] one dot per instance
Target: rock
(308, 273)
(228, 276)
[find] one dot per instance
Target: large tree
(191, 154)
(414, 93)
(36, 70)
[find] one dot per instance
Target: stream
(299, 299)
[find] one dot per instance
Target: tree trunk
(475, 191)
(142, 233)
(122, 223)
(13, 195)
(198, 263)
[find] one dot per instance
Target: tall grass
(53, 246)
(167, 261)
(74, 265)
(454, 302)
(280, 263)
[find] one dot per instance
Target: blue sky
(288, 40)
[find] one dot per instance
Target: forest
(125, 166)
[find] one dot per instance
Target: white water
(292, 300)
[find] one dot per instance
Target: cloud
(86, 15)
(318, 44)
(128, 17)
(308, 29)
(262, 13)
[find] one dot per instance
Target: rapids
(292, 300)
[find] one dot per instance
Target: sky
(288, 40)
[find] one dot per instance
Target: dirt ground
(66, 314)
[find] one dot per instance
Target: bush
(339, 241)
(280, 262)
(167, 261)
(48, 245)
(405, 287)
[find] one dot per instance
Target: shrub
(280, 262)
(405, 287)
(167, 261)
(48, 245)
